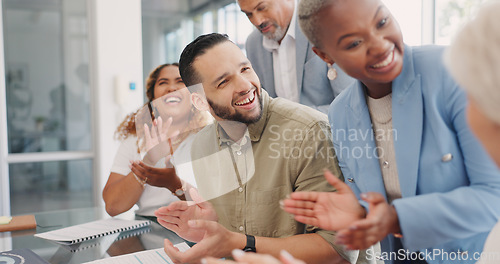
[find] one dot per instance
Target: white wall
(116, 50)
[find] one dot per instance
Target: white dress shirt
(284, 62)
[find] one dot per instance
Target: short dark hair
(198, 47)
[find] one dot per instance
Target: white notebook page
(153, 256)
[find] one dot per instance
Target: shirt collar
(224, 138)
(271, 45)
(291, 29)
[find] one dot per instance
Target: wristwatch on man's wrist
(250, 247)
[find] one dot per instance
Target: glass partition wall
(167, 28)
(49, 161)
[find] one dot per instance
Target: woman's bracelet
(141, 182)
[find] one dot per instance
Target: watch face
(249, 249)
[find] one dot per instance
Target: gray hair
(309, 19)
(473, 59)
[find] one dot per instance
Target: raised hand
(380, 221)
(176, 215)
(217, 242)
(327, 210)
(157, 133)
(157, 145)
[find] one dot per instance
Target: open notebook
(79, 233)
(105, 242)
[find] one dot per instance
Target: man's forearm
(311, 248)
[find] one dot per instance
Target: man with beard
(257, 152)
(283, 59)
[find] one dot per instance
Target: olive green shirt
(285, 151)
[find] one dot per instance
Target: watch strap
(250, 247)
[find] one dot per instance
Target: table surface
(145, 238)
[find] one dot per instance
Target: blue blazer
(449, 202)
(316, 90)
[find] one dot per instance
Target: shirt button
(385, 164)
(238, 153)
(351, 180)
(241, 228)
(447, 157)
(240, 189)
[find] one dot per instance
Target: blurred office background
(70, 70)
